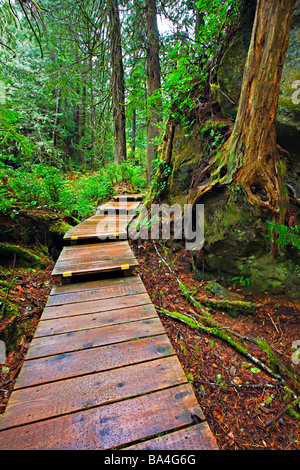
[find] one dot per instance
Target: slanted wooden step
(118, 207)
(93, 259)
(129, 197)
(100, 228)
(101, 372)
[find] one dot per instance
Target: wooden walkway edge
(101, 373)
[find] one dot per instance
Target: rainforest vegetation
(185, 101)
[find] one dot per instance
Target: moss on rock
(23, 256)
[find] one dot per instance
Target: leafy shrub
(76, 195)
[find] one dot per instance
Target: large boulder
(237, 245)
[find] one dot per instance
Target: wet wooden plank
(58, 398)
(95, 294)
(95, 306)
(100, 229)
(93, 252)
(114, 235)
(83, 247)
(94, 320)
(121, 204)
(129, 197)
(197, 437)
(88, 361)
(93, 257)
(94, 337)
(109, 426)
(93, 285)
(121, 263)
(118, 207)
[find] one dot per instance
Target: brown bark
(153, 82)
(253, 141)
(118, 88)
(57, 117)
(133, 137)
(250, 156)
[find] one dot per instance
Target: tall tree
(118, 88)
(250, 156)
(153, 82)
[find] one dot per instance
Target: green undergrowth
(76, 194)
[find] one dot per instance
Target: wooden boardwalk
(100, 373)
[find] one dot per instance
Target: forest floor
(236, 397)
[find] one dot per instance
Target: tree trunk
(57, 117)
(252, 147)
(118, 89)
(199, 21)
(92, 115)
(153, 82)
(133, 138)
(250, 156)
(83, 108)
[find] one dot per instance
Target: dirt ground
(237, 398)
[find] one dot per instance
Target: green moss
(7, 308)
(23, 256)
(59, 227)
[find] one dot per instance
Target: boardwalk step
(96, 258)
(129, 197)
(118, 207)
(101, 372)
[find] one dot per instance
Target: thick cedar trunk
(252, 148)
(251, 155)
(153, 81)
(118, 89)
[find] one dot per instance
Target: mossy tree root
(275, 369)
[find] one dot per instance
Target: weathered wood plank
(197, 437)
(120, 205)
(95, 306)
(102, 245)
(95, 267)
(94, 258)
(58, 398)
(87, 361)
(86, 339)
(96, 294)
(98, 284)
(94, 320)
(129, 197)
(94, 254)
(109, 426)
(111, 235)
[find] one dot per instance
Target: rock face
(237, 245)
